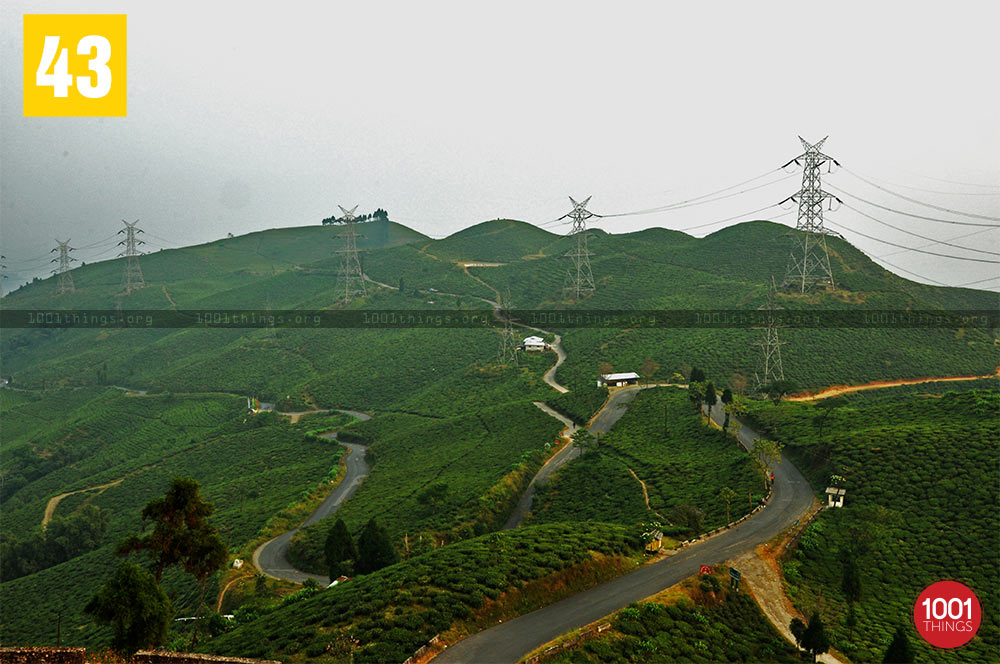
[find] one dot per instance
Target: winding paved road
(510, 641)
(271, 557)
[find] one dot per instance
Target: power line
(738, 216)
(980, 281)
(957, 237)
(903, 269)
(698, 200)
(967, 184)
(922, 237)
(918, 202)
(901, 246)
(937, 191)
(911, 214)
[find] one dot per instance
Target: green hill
(445, 410)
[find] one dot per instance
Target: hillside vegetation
(920, 471)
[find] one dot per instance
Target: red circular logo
(947, 614)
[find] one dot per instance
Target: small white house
(533, 344)
(835, 496)
(618, 379)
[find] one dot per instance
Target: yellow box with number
(74, 65)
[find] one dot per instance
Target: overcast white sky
(245, 116)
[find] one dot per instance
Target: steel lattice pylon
(507, 353)
(65, 277)
(350, 270)
(132, 279)
(769, 367)
(809, 262)
(580, 278)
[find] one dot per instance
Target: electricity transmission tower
(65, 278)
(769, 368)
(132, 276)
(350, 271)
(580, 279)
(507, 354)
(809, 262)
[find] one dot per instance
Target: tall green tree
(899, 651)
(726, 399)
(798, 629)
(815, 640)
(779, 388)
(207, 556)
(181, 532)
(584, 440)
(711, 398)
(728, 496)
(767, 455)
(135, 607)
(375, 549)
(697, 376)
(341, 553)
(649, 367)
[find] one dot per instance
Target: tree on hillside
(814, 639)
(899, 651)
(798, 630)
(181, 531)
(649, 367)
(767, 455)
(207, 556)
(697, 376)
(738, 382)
(375, 549)
(135, 607)
(850, 583)
(696, 393)
(433, 495)
(727, 495)
(604, 368)
(689, 516)
(340, 551)
(583, 440)
(710, 397)
(827, 406)
(727, 398)
(777, 389)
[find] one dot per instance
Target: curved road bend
(610, 413)
(271, 557)
(510, 641)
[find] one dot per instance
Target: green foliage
(340, 551)
(814, 638)
(580, 403)
(471, 454)
(910, 517)
(899, 651)
(667, 446)
(728, 628)
(135, 607)
(181, 532)
(392, 612)
(375, 549)
(62, 539)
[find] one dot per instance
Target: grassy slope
(686, 624)
(930, 461)
(470, 454)
(662, 439)
(394, 611)
(147, 441)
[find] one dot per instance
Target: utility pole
(3, 273)
(809, 262)
(65, 277)
(350, 271)
(507, 354)
(769, 368)
(580, 279)
(132, 276)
